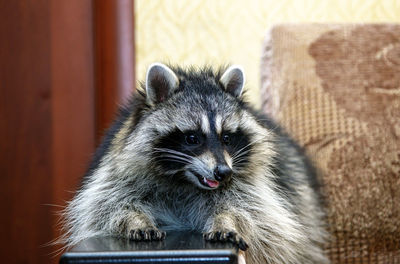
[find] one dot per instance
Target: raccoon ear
(233, 80)
(161, 81)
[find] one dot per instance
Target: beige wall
(231, 31)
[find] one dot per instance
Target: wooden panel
(48, 109)
(73, 102)
(115, 61)
(25, 131)
(46, 118)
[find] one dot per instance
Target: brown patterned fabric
(336, 89)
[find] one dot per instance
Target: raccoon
(188, 153)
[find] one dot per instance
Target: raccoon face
(198, 138)
(205, 159)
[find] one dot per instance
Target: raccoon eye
(226, 139)
(192, 139)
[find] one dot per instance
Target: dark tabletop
(178, 247)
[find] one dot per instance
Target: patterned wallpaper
(231, 31)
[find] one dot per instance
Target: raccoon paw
(146, 234)
(226, 236)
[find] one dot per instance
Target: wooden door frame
(114, 57)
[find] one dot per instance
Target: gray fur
(127, 190)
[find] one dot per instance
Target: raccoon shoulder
(291, 159)
(127, 117)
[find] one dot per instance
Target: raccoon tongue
(211, 183)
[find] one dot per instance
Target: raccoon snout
(222, 172)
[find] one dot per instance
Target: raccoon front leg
(223, 228)
(135, 225)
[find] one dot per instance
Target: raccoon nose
(222, 172)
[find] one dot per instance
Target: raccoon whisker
(168, 158)
(172, 155)
(176, 158)
(240, 156)
(176, 154)
(247, 146)
(176, 150)
(241, 152)
(243, 148)
(171, 151)
(239, 160)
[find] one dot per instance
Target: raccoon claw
(224, 236)
(146, 234)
